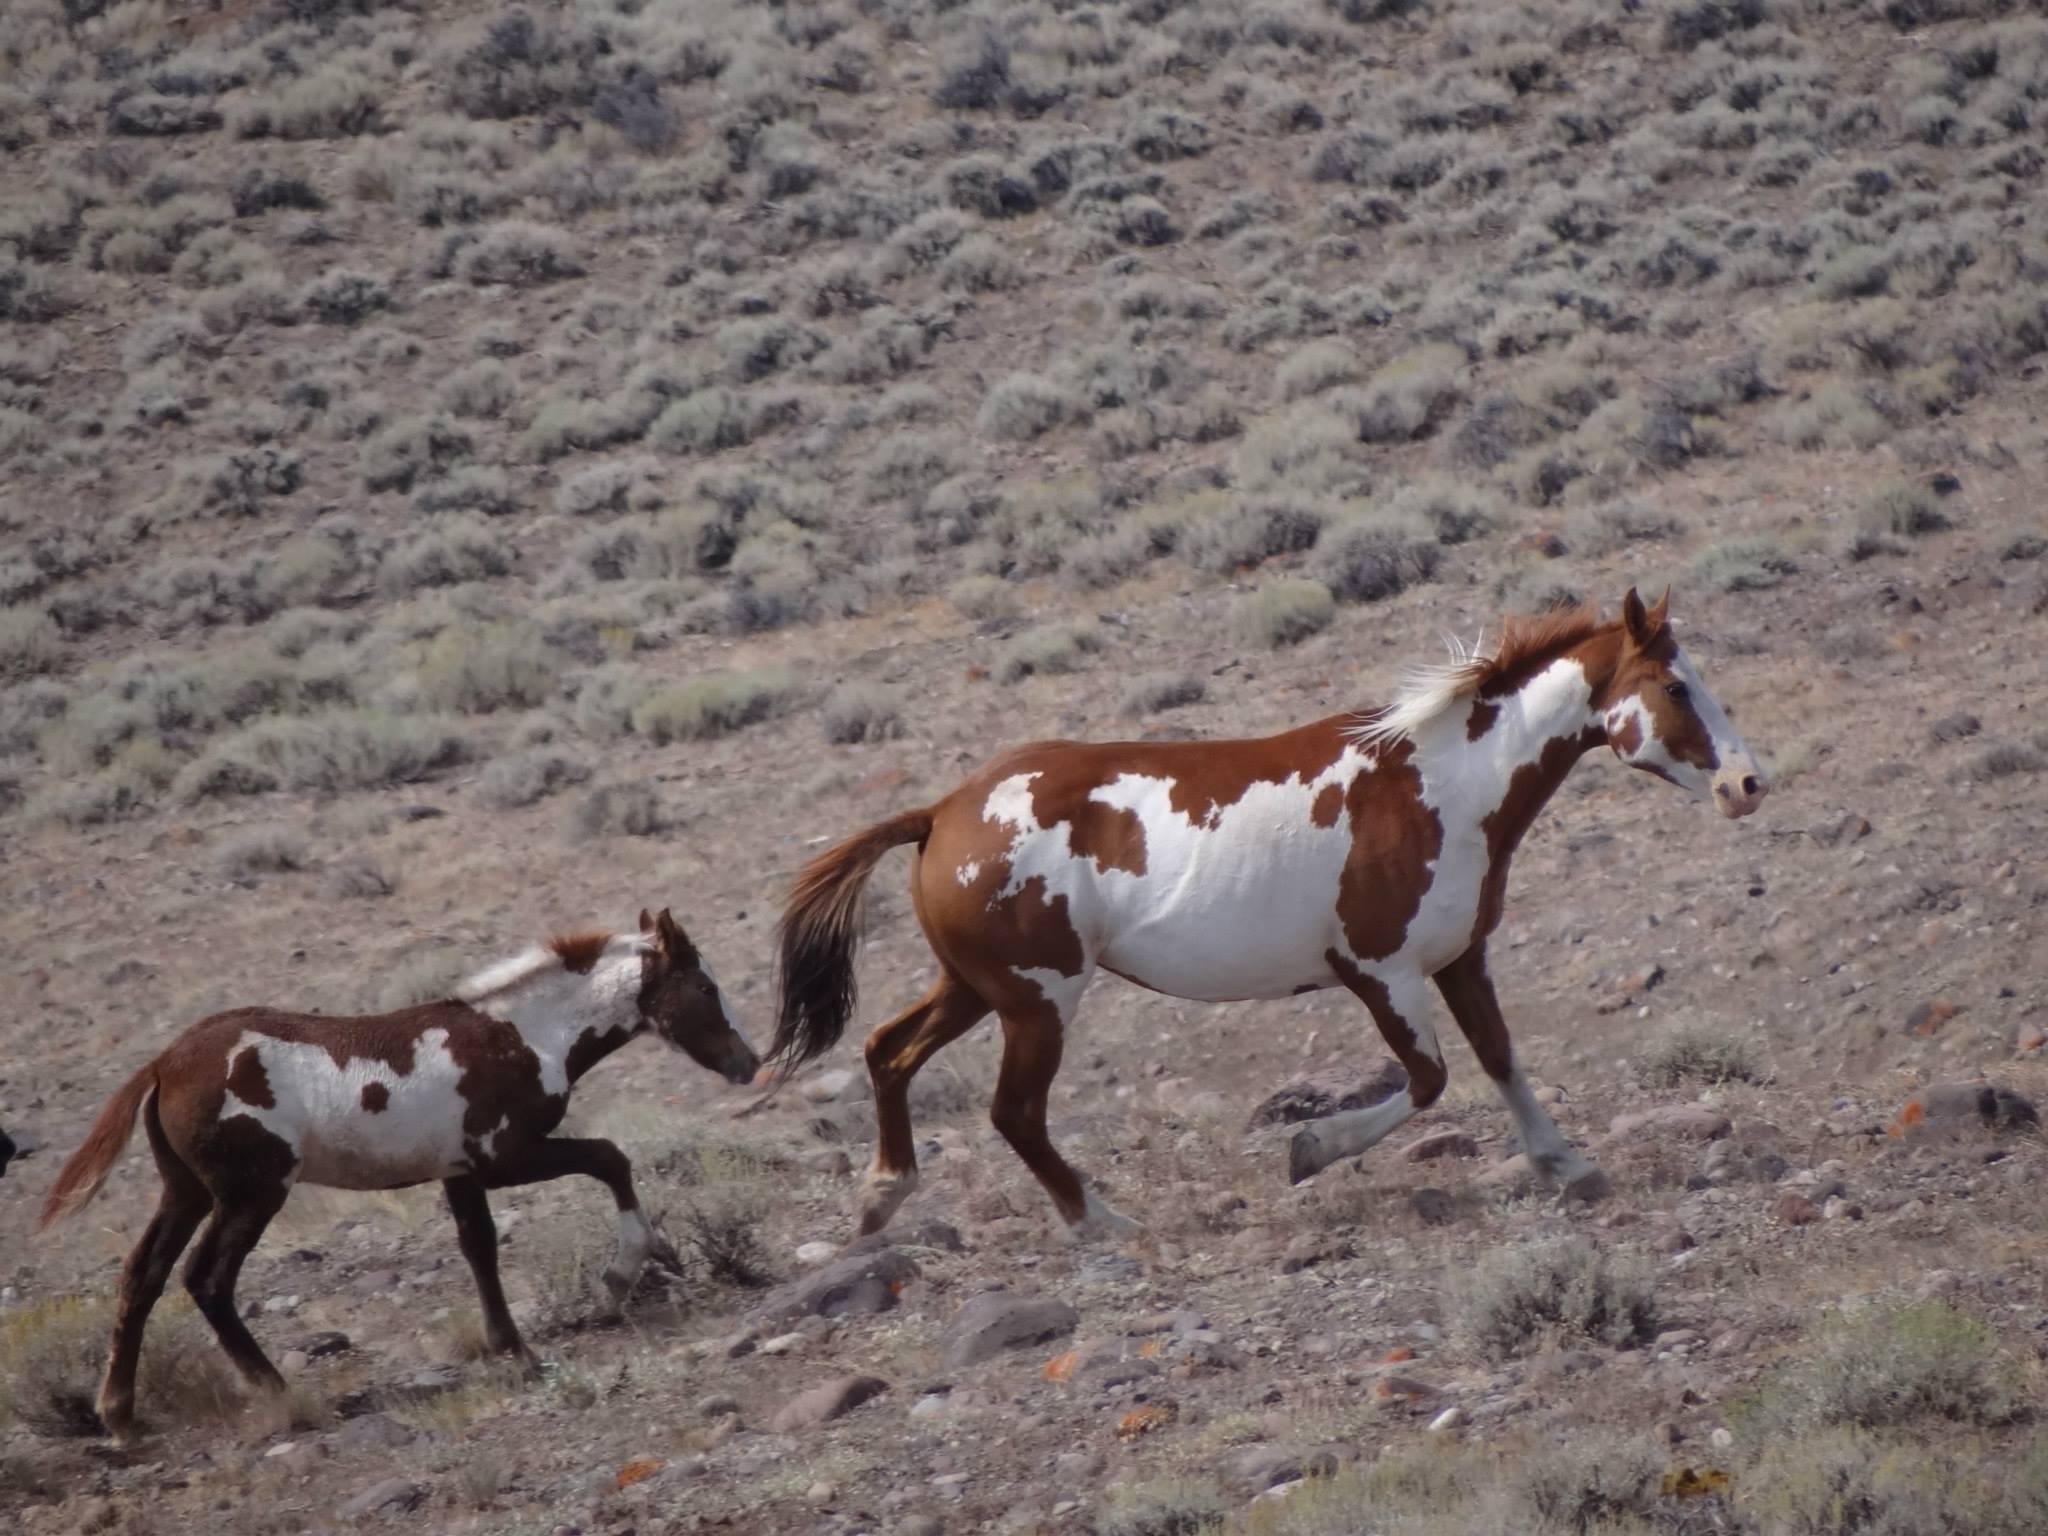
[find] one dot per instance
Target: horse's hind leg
(1033, 1041)
(180, 1208)
(477, 1234)
(1400, 1007)
(895, 1053)
(1468, 991)
(596, 1159)
(238, 1221)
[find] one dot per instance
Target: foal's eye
(1677, 692)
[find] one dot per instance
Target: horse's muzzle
(1739, 788)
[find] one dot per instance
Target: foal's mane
(1429, 689)
(578, 952)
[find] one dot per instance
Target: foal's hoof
(1591, 1186)
(1305, 1157)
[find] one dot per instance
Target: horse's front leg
(599, 1160)
(1399, 1005)
(1468, 991)
(477, 1234)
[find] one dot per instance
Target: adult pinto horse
(245, 1104)
(1368, 851)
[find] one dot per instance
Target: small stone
(1514, 1175)
(1795, 1210)
(1666, 1433)
(373, 1432)
(281, 1449)
(1927, 1018)
(1440, 1144)
(1450, 1418)
(717, 1406)
(1434, 1206)
(857, 1285)
(1687, 1122)
(1313, 1248)
(2031, 1038)
(392, 1496)
(996, 1321)
(826, 1402)
(1400, 1390)
(319, 1346)
(783, 1344)
(1722, 1438)
(821, 1493)
(921, 1525)
(293, 1361)
(1676, 1338)
(811, 1255)
(827, 1087)
(1948, 1108)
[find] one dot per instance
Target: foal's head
(1660, 718)
(680, 1001)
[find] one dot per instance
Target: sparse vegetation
(1516, 1297)
(861, 712)
(1284, 613)
(1697, 1054)
(52, 1354)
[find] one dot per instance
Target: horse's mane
(577, 952)
(1428, 689)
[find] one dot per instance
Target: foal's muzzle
(740, 1064)
(1739, 788)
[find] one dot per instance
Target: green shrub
(1315, 367)
(1901, 508)
(1165, 691)
(1371, 554)
(712, 705)
(1742, 565)
(1408, 398)
(633, 810)
(519, 255)
(1025, 406)
(1691, 1054)
(344, 749)
(461, 549)
(523, 778)
(477, 670)
(1517, 1296)
(1283, 613)
(28, 644)
(862, 712)
(1046, 649)
(52, 1355)
(1181, 1506)
(263, 851)
(1890, 1363)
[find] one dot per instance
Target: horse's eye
(706, 988)
(1677, 692)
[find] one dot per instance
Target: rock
(783, 1344)
(1734, 1160)
(925, 1232)
(996, 1321)
(1838, 1209)
(855, 1285)
(1722, 1438)
(830, 1161)
(1955, 727)
(1926, 1019)
(811, 1255)
(826, 1402)
(318, 1346)
(1687, 1122)
(1433, 1206)
(1950, 1108)
(829, 1086)
(1625, 992)
(373, 1432)
(1401, 1391)
(1312, 1248)
(1317, 1094)
(1427, 1149)
(1252, 1469)
(293, 1361)
(920, 1525)
(2031, 1038)
(717, 1406)
(1450, 1418)
(1512, 1176)
(821, 1493)
(394, 1495)
(1847, 828)
(431, 1382)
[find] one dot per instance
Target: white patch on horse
(1426, 692)
(317, 1110)
(968, 873)
(552, 1007)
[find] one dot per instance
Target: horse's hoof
(1590, 1185)
(1305, 1157)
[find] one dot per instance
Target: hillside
(469, 471)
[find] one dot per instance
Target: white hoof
(1100, 1221)
(881, 1196)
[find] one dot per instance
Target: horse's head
(1659, 716)
(680, 1000)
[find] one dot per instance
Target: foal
(1368, 851)
(245, 1104)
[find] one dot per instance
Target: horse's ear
(1660, 611)
(673, 939)
(646, 922)
(1635, 619)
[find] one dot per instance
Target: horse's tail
(820, 932)
(86, 1173)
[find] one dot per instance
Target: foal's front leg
(477, 1234)
(596, 1159)
(1468, 991)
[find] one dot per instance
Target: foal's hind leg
(238, 1221)
(599, 1160)
(1034, 1038)
(478, 1236)
(1468, 990)
(181, 1207)
(1399, 1005)
(895, 1053)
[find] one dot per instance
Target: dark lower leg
(477, 1234)
(178, 1214)
(1400, 1010)
(596, 1159)
(216, 1264)
(896, 1051)
(1032, 1048)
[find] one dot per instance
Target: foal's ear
(674, 940)
(1635, 619)
(646, 922)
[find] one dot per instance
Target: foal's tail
(87, 1171)
(820, 932)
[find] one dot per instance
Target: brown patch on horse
(376, 1098)
(1210, 777)
(1529, 790)
(1426, 1074)
(1628, 739)
(579, 952)
(1480, 720)
(1110, 836)
(1328, 807)
(1394, 839)
(1528, 645)
(247, 1080)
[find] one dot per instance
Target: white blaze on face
(318, 1111)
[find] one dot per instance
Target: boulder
(855, 1285)
(826, 1402)
(996, 1321)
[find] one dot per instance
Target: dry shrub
(1692, 1054)
(53, 1353)
(1283, 613)
(1519, 1296)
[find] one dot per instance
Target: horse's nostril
(1749, 784)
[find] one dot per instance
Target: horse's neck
(566, 1017)
(1502, 780)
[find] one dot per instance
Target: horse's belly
(361, 1125)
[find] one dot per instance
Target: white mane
(527, 965)
(1425, 691)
